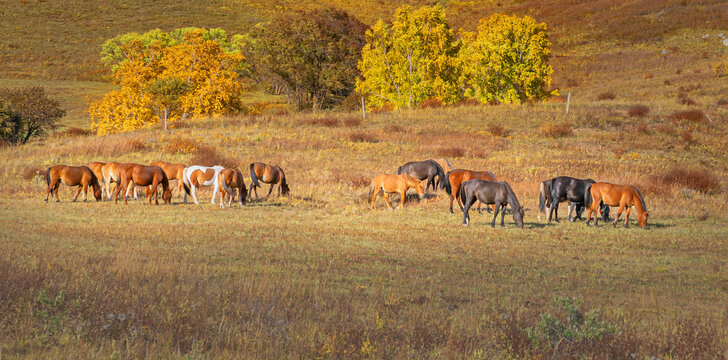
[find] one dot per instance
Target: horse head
(518, 216)
(642, 218)
(167, 196)
(97, 191)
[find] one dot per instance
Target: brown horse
(458, 176)
(143, 175)
(624, 196)
(80, 176)
(269, 174)
(395, 183)
(109, 172)
(446, 167)
(232, 179)
(96, 168)
(173, 172)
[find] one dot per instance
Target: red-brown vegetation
(702, 180)
(551, 129)
(431, 103)
(497, 130)
(363, 136)
(352, 121)
(609, 95)
(638, 111)
(208, 156)
(451, 152)
(693, 116)
(324, 121)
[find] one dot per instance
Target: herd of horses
(465, 186)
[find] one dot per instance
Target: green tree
(313, 54)
(166, 94)
(28, 112)
(410, 61)
(507, 61)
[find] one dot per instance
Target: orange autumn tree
(164, 84)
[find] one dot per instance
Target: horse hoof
(58, 200)
(451, 212)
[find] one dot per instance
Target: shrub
(687, 136)
(357, 181)
(497, 130)
(683, 98)
(666, 129)
(722, 101)
(578, 328)
(638, 111)
(431, 103)
(361, 136)
(642, 128)
(451, 152)
(27, 112)
(352, 121)
(695, 116)
(74, 131)
(179, 145)
(394, 128)
(208, 156)
(609, 95)
(556, 130)
(327, 122)
(647, 75)
(702, 180)
(32, 171)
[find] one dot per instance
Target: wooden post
(568, 100)
(363, 109)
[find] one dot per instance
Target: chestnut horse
(232, 179)
(109, 172)
(624, 196)
(269, 174)
(173, 172)
(395, 183)
(96, 168)
(196, 176)
(143, 175)
(459, 176)
(490, 192)
(80, 176)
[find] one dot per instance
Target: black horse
(564, 188)
(427, 169)
(489, 192)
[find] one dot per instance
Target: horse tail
(448, 186)
(284, 184)
(444, 182)
(186, 182)
(588, 197)
(541, 199)
(48, 176)
(221, 180)
(461, 193)
(253, 177)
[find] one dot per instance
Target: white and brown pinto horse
(231, 179)
(196, 176)
(80, 176)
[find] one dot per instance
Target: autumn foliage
(168, 83)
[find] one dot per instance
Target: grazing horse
(446, 167)
(458, 176)
(395, 183)
(109, 172)
(564, 188)
(232, 179)
(173, 172)
(196, 176)
(624, 196)
(96, 168)
(544, 201)
(427, 169)
(80, 176)
(143, 175)
(491, 192)
(269, 174)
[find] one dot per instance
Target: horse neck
(512, 199)
(639, 205)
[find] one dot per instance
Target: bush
(73, 132)
(27, 112)
(638, 111)
(687, 137)
(497, 130)
(702, 180)
(179, 145)
(666, 129)
(352, 121)
(609, 95)
(361, 136)
(431, 103)
(208, 156)
(695, 116)
(451, 152)
(683, 98)
(556, 130)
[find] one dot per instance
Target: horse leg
(553, 209)
(619, 212)
(626, 216)
(386, 199)
(85, 192)
(495, 214)
(51, 185)
(571, 211)
(193, 189)
(374, 196)
(452, 198)
(503, 215)
(279, 189)
(270, 190)
(466, 211)
(80, 187)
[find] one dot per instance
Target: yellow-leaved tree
(163, 84)
(507, 61)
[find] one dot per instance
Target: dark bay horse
(624, 196)
(459, 176)
(446, 166)
(565, 188)
(395, 184)
(269, 174)
(143, 175)
(490, 192)
(80, 176)
(427, 169)
(545, 200)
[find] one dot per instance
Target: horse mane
(449, 164)
(512, 199)
(48, 176)
(284, 185)
(444, 180)
(94, 179)
(642, 199)
(492, 175)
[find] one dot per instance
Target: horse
(80, 176)
(446, 167)
(173, 172)
(143, 175)
(96, 169)
(544, 200)
(395, 183)
(109, 172)
(458, 176)
(269, 174)
(491, 192)
(196, 176)
(564, 188)
(624, 196)
(427, 169)
(232, 179)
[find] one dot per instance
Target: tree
(28, 112)
(167, 83)
(410, 61)
(312, 53)
(507, 61)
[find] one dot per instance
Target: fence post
(363, 109)
(568, 100)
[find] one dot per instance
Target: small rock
(721, 35)
(665, 51)
(706, 36)
(725, 42)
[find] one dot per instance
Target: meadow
(318, 274)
